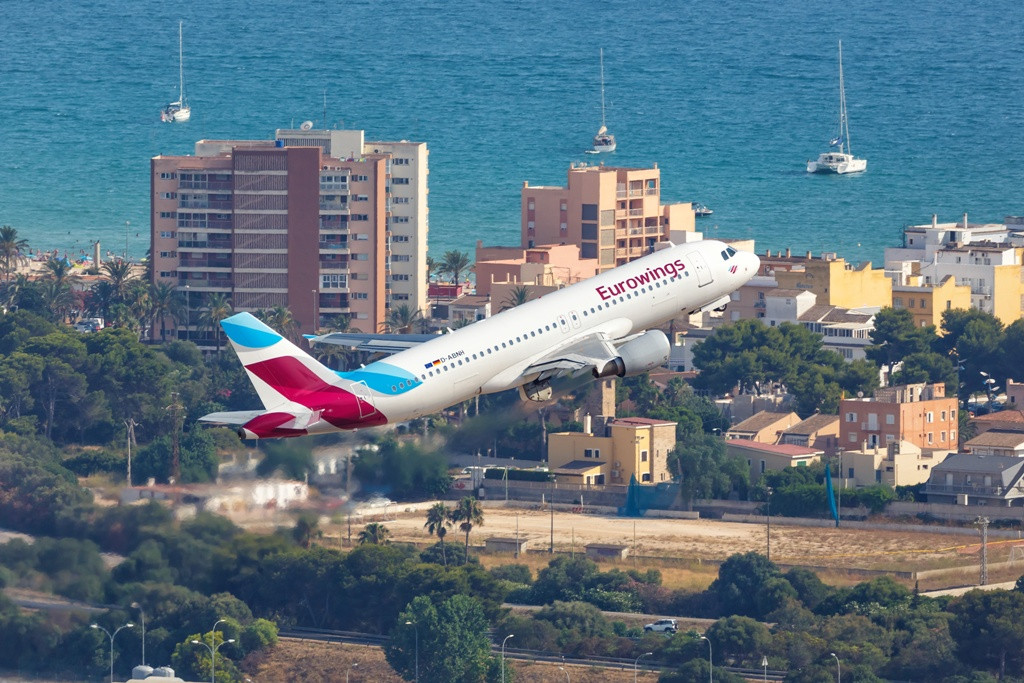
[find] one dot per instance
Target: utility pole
(130, 424)
(175, 410)
(983, 523)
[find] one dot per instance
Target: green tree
(218, 307)
(439, 518)
(740, 640)
(11, 247)
(975, 338)
(375, 533)
(401, 319)
(453, 642)
(895, 336)
(988, 631)
(307, 527)
(165, 302)
(468, 513)
(705, 471)
(740, 578)
(454, 262)
(517, 296)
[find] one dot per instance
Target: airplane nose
(751, 262)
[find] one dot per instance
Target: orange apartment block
(926, 302)
(613, 214)
(541, 269)
(836, 282)
(628, 447)
(311, 221)
(918, 413)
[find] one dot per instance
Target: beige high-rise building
(318, 221)
(613, 214)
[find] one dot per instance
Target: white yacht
(178, 112)
(603, 141)
(840, 160)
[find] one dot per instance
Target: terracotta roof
(997, 438)
(1002, 416)
(776, 448)
(759, 421)
(812, 424)
(639, 422)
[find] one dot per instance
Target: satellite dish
(306, 125)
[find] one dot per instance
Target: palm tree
(59, 271)
(165, 302)
(432, 267)
(280, 318)
(218, 307)
(454, 262)
(11, 247)
(401, 318)
(307, 527)
(120, 276)
(58, 298)
(517, 296)
(12, 291)
(468, 513)
(375, 533)
(439, 518)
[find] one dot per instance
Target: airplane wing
(584, 355)
(372, 343)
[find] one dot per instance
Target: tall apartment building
(918, 413)
(318, 221)
(613, 214)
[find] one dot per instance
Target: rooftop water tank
(163, 672)
(142, 671)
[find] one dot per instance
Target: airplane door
(362, 392)
(700, 267)
(563, 323)
(574, 318)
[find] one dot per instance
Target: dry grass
(313, 662)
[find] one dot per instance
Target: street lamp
(711, 666)
(768, 525)
(511, 635)
(188, 313)
(213, 653)
(143, 615)
(839, 672)
(111, 636)
(355, 665)
(636, 662)
(417, 630)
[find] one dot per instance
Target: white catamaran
(177, 112)
(841, 161)
(603, 141)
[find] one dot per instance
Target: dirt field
(695, 547)
(305, 662)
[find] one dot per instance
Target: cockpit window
(731, 251)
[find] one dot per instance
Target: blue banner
(831, 493)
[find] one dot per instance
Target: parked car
(662, 626)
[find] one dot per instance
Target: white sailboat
(841, 161)
(178, 112)
(603, 141)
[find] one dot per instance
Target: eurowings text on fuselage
(601, 325)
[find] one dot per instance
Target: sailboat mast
(844, 126)
(602, 88)
(181, 69)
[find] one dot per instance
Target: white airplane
(601, 326)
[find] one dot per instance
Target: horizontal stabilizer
(238, 417)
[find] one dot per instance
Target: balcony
(334, 206)
(205, 263)
(334, 187)
(973, 490)
(333, 265)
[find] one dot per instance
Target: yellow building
(927, 302)
(630, 446)
(901, 463)
(836, 282)
(762, 457)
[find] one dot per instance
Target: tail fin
(279, 371)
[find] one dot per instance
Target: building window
(853, 437)
(169, 195)
(588, 453)
(359, 217)
(400, 258)
(929, 437)
(167, 234)
(399, 181)
(360, 295)
(643, 456)
(400, 297)
(890, 419)
(942, 437)
(167, 214)
(851, 417)
(929, 417)
(400, 277)
(333, 281)
(400, 238)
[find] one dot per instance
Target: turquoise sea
(729, 98)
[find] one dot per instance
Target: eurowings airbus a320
(600, 326)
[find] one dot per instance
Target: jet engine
(648, 351)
